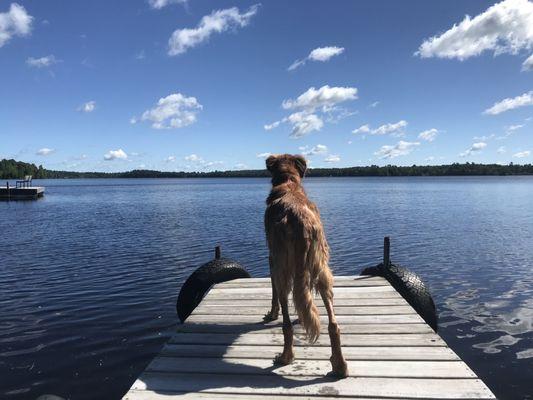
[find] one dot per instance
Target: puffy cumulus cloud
(303, 124)
(173, 111)
(170, 159)
(198, 162)
(309, 106)
(321, 54)
(391, 128)
(45, 151)
(428, 135)
(474, 149)
(362, 129)
(394, 129)
(332, 158)
(324, 97)
(14, 22)
(401, 148)
(505, 27)
(263, 155)
(115, 155)
(194, 158)
(318, 149)
(88, 107)
(240, 166)
(217, 22)
(159, 4)
(522, 154)
(42, 62)
(501, 150)
(507, 104)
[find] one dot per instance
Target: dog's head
(284, 167)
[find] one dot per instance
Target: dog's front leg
(274, 311)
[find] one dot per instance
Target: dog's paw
(284, 359)
(339, 371)
(270, 316)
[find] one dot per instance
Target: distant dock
(25, 193)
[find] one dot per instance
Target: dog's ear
(270, 162)
(301, 165)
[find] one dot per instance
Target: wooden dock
(224, 351)
(24, 193)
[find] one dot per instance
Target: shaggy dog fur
(299, 256)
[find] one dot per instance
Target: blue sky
(81, 83)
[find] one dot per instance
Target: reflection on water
(90, 273)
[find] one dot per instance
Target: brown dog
(299, 256)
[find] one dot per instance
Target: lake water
(89, 275)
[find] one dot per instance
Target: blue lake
(90, 273)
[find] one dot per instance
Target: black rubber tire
(412, 289)
(196, 286)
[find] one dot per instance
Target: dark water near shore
(89, 274)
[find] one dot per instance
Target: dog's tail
(304, 281)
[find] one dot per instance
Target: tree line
(11, 169)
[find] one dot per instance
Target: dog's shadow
(187, 364)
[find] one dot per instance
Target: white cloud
(309, 104)
(332, 158)
(15, 22)
(527, 65)
(505, 27)
(170, 159)
(522, 154)
(325, 53)
(45, 151)
(193, 158)
(507, 104)
(173, 111)
(263, 155)
(319, 54)
(318, 149)
(512, 128)
(303, 124)
(362, 129)
(88, 107)
(501, 150)
(428, 135)
(474, 149)
(484, 137)
(325, 97)
(430, 158)
(394, 129)
(374, 104)
(271, 126)
(159, 4)
(401, 148)
(240, 166)
(210, 164)
(42, 62)
(216, 22)
(115, 155)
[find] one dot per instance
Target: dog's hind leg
(338, 363)
(287, 356)
(274, 311)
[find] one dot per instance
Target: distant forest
(11, 169)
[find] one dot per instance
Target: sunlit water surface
(89, 275)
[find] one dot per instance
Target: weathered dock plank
(225, 351)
